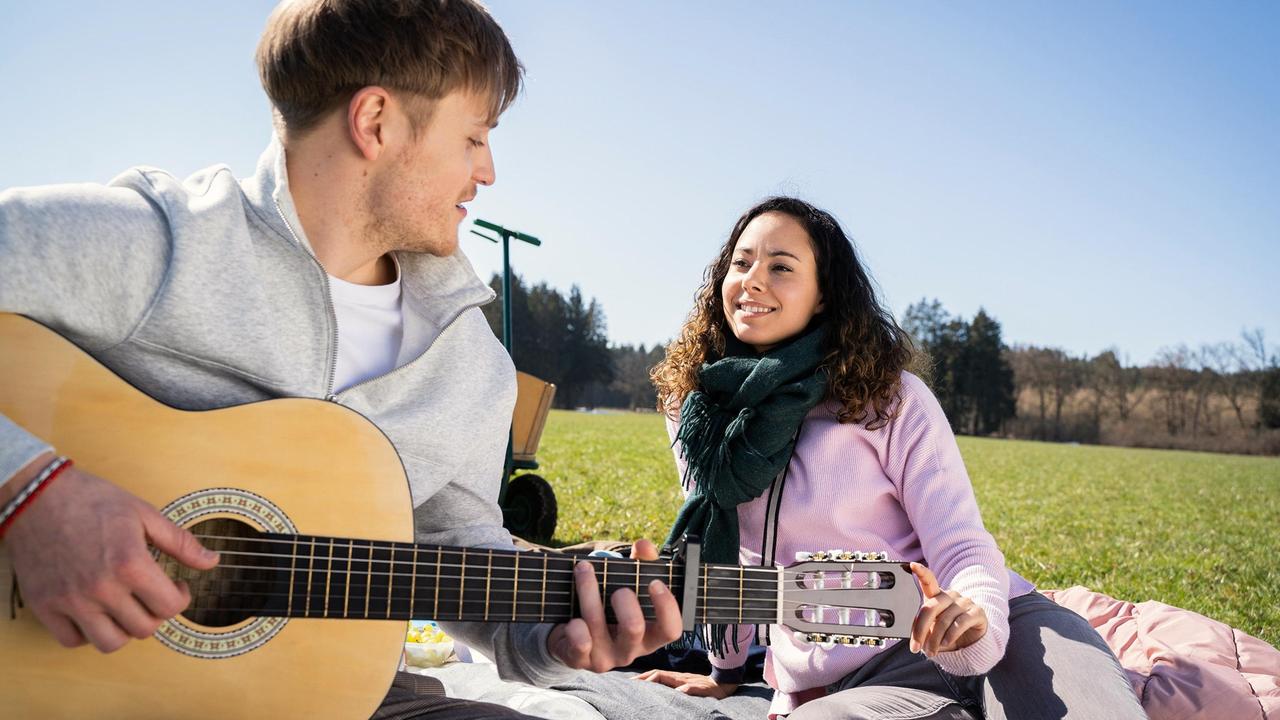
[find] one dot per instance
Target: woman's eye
(740, 263)
(781, 268)
(475, 143)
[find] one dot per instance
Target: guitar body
(290, 465)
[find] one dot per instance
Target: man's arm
(86, 260)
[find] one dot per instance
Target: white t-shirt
(370, 329)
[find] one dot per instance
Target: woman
(789, 379)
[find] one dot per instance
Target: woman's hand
(947, 620)
(689, 683)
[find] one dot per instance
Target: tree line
(1217, 396)
(1220, 396)
(562, 338)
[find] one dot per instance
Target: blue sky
(1093, 174)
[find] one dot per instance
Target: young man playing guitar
(332, 273)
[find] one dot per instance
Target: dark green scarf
(737, 433)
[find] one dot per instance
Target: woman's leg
(1056, 667)
(897, 685)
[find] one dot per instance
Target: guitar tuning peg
(803, 556)
(820, 556)
(844, 555)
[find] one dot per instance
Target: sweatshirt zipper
(332, 369)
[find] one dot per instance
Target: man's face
(416, 199)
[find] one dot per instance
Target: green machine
(528, 502)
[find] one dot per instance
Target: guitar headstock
(848, 598)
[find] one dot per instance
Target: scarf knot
(737, 433)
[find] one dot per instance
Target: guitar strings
(399, 605)
(526, 574)
(388, 546)
(228, 587)
(394, 570)
(707, 600)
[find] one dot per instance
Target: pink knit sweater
(902, 489)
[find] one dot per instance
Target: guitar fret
(637, 580)
(741, 583)
(435, 607)
(327, 577)
(368, 583)
(413, 582)
(311, 561)
(515, 584)
(542, 609)
(293, 564)
(462, 584)
(488, 581)
(346, 595)
(391, 576)
(706, 590)
(573, 588)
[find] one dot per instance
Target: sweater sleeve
(940, 504)
(85, 260)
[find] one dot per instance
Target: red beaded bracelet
(28, 493)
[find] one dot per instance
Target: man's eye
(475, 143)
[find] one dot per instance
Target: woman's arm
(940, 503)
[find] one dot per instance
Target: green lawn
(1196, 530)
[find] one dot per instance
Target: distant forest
(1221, 397)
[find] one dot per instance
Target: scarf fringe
(713, 638)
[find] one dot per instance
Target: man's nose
(484, 173)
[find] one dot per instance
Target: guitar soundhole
(247, 582)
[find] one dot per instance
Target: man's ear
(367, 115)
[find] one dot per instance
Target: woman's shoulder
(914, 401)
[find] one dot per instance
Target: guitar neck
(326, 577)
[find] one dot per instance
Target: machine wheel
(530, 510)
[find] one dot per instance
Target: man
(332, 273)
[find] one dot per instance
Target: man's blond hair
(314, 54)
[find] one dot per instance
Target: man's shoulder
(210, 185)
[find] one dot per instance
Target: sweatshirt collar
(437, 288)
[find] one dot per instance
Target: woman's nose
(754, 279)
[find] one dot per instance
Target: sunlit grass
(1196, 530)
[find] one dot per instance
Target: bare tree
(1206, 381)
(1236, 378)
(1173, 375)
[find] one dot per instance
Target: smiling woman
(797, 428)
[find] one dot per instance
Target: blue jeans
(1055, 667)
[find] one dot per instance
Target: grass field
(1196, 530)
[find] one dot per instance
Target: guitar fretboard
(326, 577)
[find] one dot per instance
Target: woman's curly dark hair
(865, 351)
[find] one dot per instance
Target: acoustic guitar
(308, 504)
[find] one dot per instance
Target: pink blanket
(1183, 666)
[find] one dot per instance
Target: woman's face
(771, 291)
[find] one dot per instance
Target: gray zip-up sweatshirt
(204, 293)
